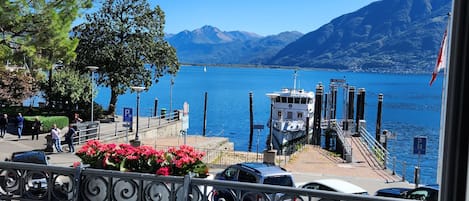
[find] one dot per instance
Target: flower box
(144, 159)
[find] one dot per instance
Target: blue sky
(264, 17)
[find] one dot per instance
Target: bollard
(417, 176)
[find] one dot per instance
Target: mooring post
(360, 108)
(357, 116)
(316, 139)
(251, 119)
(155, 109)
(205, 115)
(334, 102)
(351, 99)
(379, 117)
(325, 106)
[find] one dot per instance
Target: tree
(125, 39)
(69, 87)
(15, 87)
(36, 33)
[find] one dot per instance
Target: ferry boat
(292, 114)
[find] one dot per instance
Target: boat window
(300, 115)
(284, 99)
(279, 114)
(310, 100)
(297, 100)
(289, 115)
(290, 100)
(277, 99)
(303, 100)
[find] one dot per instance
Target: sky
(264, 17)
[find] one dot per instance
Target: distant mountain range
(386, 36)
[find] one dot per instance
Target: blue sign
(127, 114)
(420, 144)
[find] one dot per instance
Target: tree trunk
(112, 103)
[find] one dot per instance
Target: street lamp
(92, 69)
(136, 141)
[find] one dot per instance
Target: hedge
(47, 123)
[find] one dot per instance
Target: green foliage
(47, 122)
(120, 39)
(68, 86)
(38, 31)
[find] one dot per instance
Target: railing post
(187, 186)
(403, 170)
(394, 165)
(77, 178)
(115, 129)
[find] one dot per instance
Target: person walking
(69, 138)
(55, 134)
(3, 125)
(19, 124)
(37, 125)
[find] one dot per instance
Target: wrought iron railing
(22, 181)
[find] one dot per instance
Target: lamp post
(92, 69)
(136, 141)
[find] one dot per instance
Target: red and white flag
(441, 59)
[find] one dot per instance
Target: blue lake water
(410, 107)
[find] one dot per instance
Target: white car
(335, 185)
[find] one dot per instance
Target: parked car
(335, 185)
(392, 192)
(261, 173)
(36, 183)
(427, 193)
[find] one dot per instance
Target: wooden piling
(350, 106)
(334, 102)
(379, 117)
(316, 139)
(205, 115)
(325, 106)
(360, 108)
(251, 123)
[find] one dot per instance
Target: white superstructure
(290, 110)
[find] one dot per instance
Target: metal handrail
(340, 134)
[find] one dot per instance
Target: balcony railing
(22, 181)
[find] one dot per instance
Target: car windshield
(280, 180)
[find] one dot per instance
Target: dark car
(392, 192)
(36, 182)
(261, 173)
(427, 193)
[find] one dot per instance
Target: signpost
(420, 147)
(259, 127)
(128, 117)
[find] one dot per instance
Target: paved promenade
(310, 164)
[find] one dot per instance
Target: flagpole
(444, 92)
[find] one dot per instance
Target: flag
(441, 59)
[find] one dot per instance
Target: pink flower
(163, 171)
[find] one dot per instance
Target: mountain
(211, 45)
(385, 36)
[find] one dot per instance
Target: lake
(410, 107)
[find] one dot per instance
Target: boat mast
(294, 81)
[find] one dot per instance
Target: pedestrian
(3, 125)
(37, 126)
(77, 118)
(19, 124)
(55, 134)
(69, 138)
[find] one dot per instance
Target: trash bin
(163, 113)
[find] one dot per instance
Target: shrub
(47, 122)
